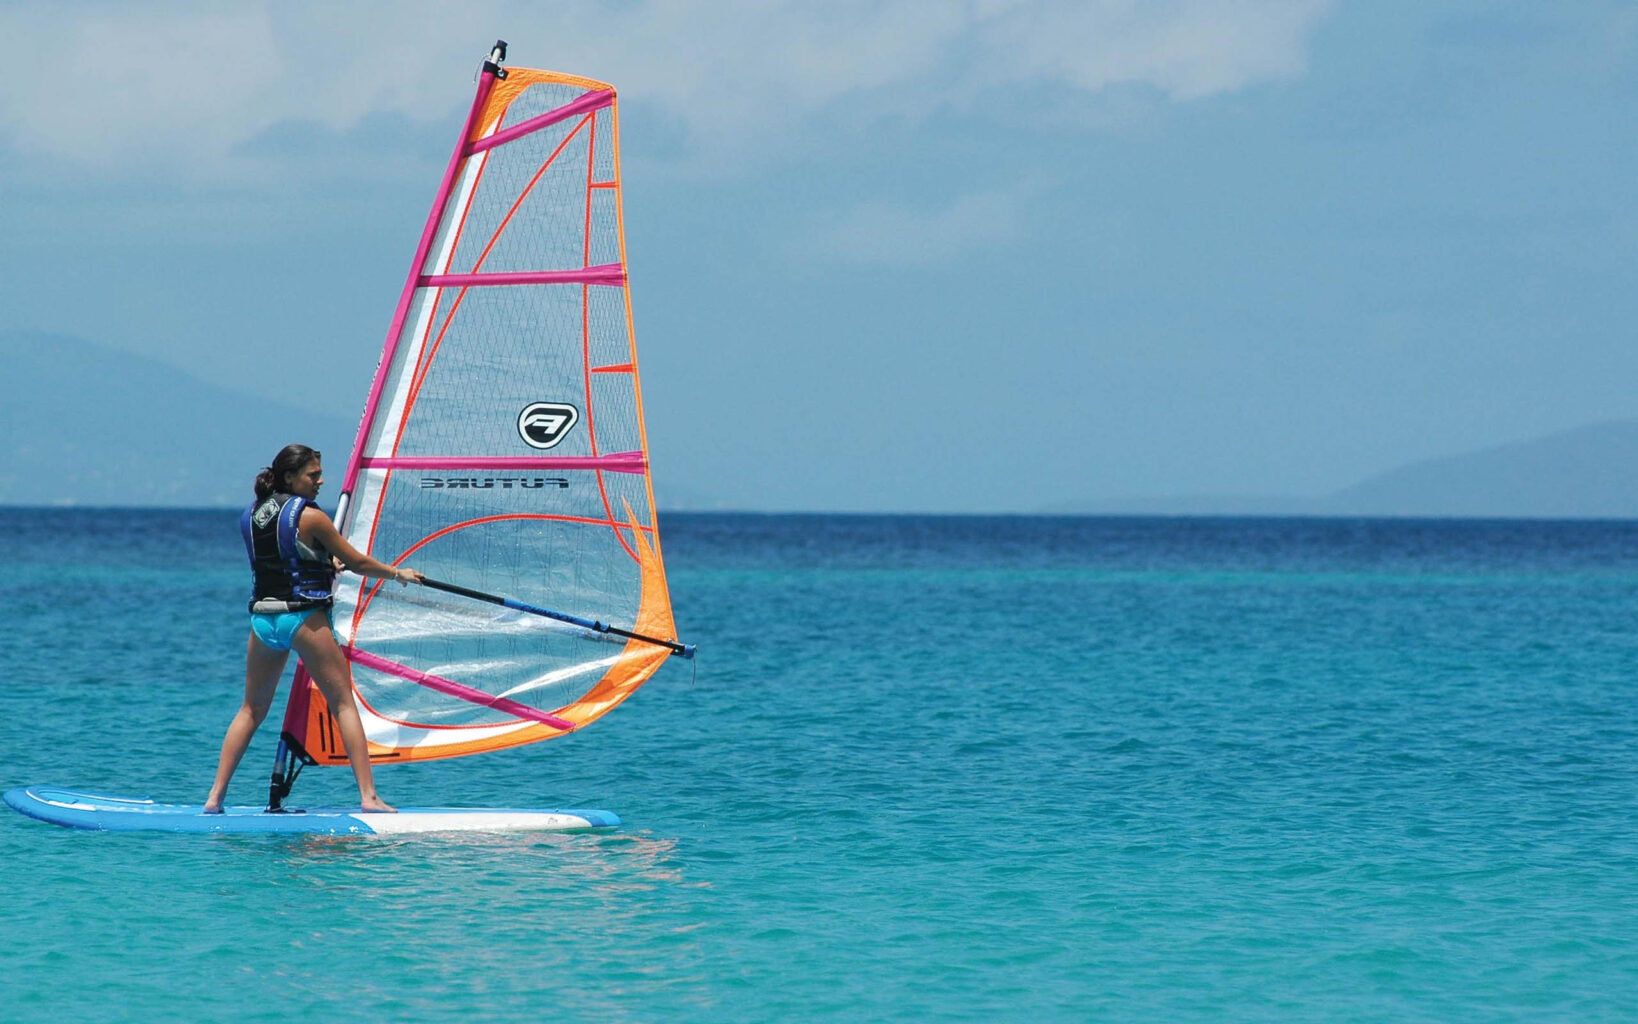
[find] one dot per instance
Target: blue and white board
(123, 814)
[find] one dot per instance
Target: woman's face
(306, 481)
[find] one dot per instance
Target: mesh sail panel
(504, 451)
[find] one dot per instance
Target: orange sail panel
(503, 449)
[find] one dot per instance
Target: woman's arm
(317, 526)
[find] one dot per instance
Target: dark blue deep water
(930, 768)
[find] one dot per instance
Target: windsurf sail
(502, 448)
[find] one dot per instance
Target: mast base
(288, 762)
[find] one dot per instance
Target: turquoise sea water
(930, 768)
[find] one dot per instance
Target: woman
(291, 544)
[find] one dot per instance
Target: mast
(290, 756)
(488, 74)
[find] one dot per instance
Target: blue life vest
(283, 568)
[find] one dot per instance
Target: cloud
(183, 86)
(1187, 50)
(179, 86)
(897, 235)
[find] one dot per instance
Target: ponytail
(291, 458)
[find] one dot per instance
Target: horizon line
(1500, 517)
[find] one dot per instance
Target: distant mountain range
(89, 425)
(85, 424)
(1587, 472)
(1584, 473)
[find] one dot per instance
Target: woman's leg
(328, 667)
(263, 666)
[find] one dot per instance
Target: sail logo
(544, 424)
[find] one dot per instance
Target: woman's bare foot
(212, 809)
(377, 804)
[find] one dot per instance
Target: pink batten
(606, 274)
(590, 101)
(616, 462)
(454, 689)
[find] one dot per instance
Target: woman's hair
(291, 458)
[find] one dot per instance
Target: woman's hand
(405, 576)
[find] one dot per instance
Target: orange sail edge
(518, 80)
(317, 733)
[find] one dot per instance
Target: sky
(998, 255)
